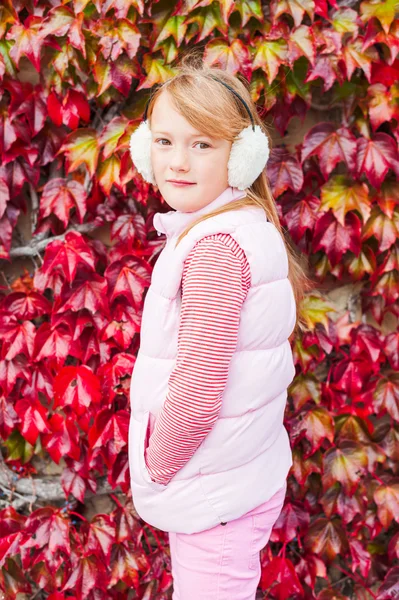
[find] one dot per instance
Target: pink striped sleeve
(216, 279)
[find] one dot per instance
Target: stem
(147, 541)
(34, 246)
(358, 580)
(34, 207)
(6, 280)
(378, 479)
(115, 499)
(72, 512)
(160, 546)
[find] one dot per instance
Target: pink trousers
(223, 563)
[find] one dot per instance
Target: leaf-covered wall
(77, 249)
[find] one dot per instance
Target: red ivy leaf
(4, 196)
(52, 343)
(63, 439)
(129, 277)
(77, 387)
(8, 418)
(390, 587)
(48, 527)
(110, 427)
(346, 464)
(279, 575)
(383, 227)
(69, 110)
(316, 425)
(11, 370)
(291, 522)
(88, 572)
(361, 558)
(18, 338)
(285, 172)
(334, 238)
(26, 305)
(33, 418)
(391, 349)
(119, 473)
(376, 156)
(331, 145)
(302, 217)
(27, 40)
(126, 565)
(127, 526)
(101, 536)
(91, 295)
(326, 538)
(386, 395)
(130, 227)
(60, 196)
(115, 375)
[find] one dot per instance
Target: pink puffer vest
(246, 457)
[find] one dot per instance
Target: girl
(208, 452)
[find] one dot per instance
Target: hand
(152, 422)
(150, 429)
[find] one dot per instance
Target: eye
(204, 144)
(162, 140)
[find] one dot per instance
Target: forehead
(165, 116)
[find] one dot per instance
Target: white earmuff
(140, 151)
(248, 157)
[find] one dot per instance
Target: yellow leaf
(387, 499)
(269, 56)
(81, 147)
(109, 173)
(295, 8)
(314, 310)
(385, 12)
(341, 196)
(157, 72)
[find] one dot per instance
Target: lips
(180, 183)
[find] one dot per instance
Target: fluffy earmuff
(248, 156)
(140, 151)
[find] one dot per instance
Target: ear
(248, 157)
(140, 151)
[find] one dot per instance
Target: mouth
(180, 183)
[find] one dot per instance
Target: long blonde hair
(212, 109)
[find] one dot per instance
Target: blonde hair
(213, 109)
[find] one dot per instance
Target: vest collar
(174, 222)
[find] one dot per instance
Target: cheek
(158, 158)
(216, 164)
(216, 168)
(154, 159)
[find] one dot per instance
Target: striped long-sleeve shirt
(215, 282)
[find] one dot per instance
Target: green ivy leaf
(385, 12)
(269, 55)
(81, 147)
(18, 448)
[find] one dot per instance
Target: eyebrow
(192, 135)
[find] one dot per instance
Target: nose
(179, 161)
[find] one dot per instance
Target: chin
(180, 201)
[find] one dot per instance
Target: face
(179, 152)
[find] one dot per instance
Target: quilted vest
(246, 456)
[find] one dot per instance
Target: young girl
(208, 452)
